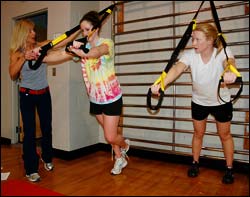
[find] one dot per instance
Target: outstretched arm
(57, 56)
(172, 74)
(53, 56)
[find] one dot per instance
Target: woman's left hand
(229, 77)
(77, 51)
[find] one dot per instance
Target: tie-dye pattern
(99, 76)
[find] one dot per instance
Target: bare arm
(94, 52)
(57, 56)
(53, 56)
(172, 74)
(17, 60)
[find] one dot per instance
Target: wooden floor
(90, 176)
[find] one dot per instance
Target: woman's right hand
(32, 54)
(155, 89)
(77, 44)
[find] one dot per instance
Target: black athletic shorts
(221, 113)
(111, 109)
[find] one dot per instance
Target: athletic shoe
(125, 150)
(120, 163)
(34, 177)
(193, 171)
(48, 166)
(228, 178)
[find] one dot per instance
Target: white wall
(83, 127)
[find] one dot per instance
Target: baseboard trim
(69, 155)
(5, 141)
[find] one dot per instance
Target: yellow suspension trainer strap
(229, 67)
(45, 48)
(181, 45)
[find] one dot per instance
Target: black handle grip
(149, 95)
(237, 81)
(37, 63)
(83, 47)
(43, 51)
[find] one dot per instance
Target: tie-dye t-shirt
(99, 76)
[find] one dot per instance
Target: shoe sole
(124, 165)
(37, 180)
(33, 180)
(47, 168)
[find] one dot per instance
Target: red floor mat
(23, 188)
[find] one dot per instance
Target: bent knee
(110, 139)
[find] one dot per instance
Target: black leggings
(28, 104)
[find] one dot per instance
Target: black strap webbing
(220, 35)
(181, 45)
(183, 42)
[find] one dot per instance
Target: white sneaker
(120, 163)
(125, 150)
(34, 177)
(48, 166)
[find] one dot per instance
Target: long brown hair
(93, 18)
(19, 35)
(210, 32)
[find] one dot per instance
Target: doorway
(40, 19)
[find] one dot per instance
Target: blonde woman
(34, 94)
(207, 62)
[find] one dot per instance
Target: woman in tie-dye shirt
(102, 85)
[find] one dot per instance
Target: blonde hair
(19, 35)
(210, 32)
